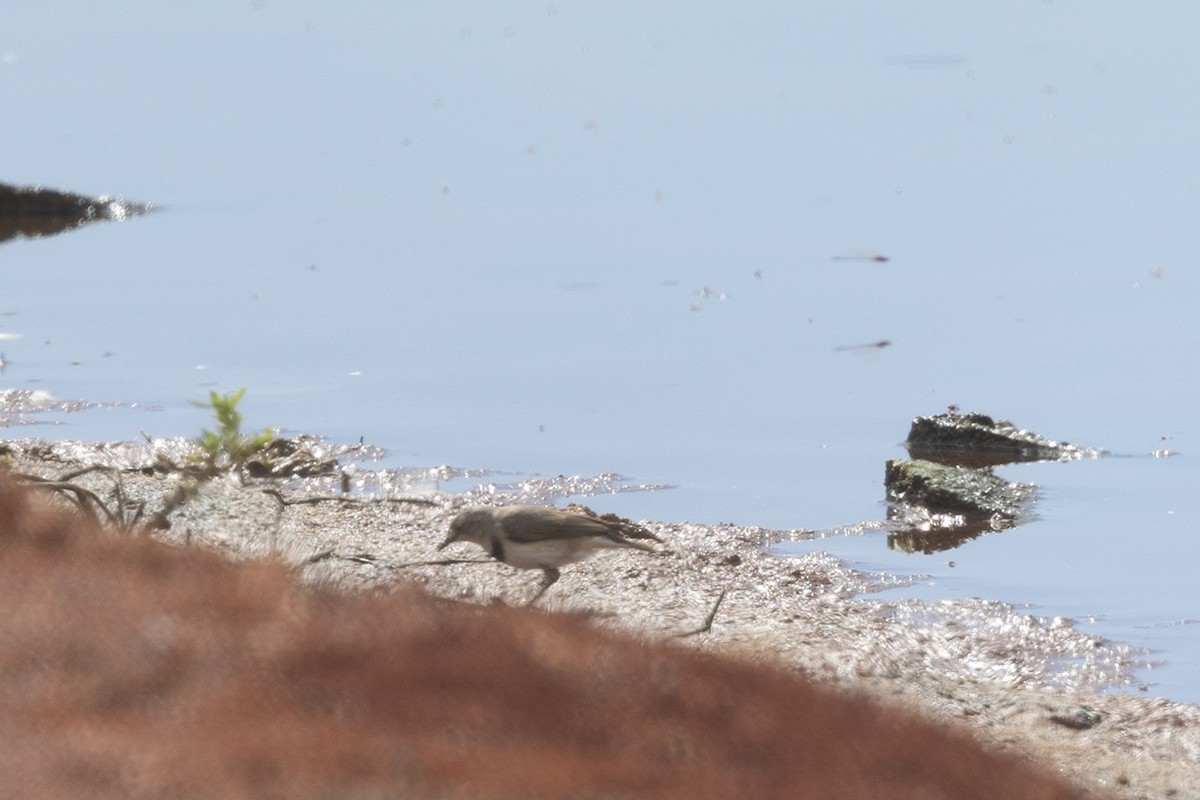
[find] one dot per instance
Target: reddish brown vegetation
(136, 669)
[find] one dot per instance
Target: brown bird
(545, 538)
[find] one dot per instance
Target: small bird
(545, 538)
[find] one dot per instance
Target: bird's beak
(447, 541)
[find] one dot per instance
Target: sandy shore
(1023, 683)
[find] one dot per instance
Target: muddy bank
(1026, 684)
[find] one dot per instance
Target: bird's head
(472, 525)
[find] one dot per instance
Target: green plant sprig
(227, 447)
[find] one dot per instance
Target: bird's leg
(551, 576)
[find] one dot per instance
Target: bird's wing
(537, 524)
(627, 528)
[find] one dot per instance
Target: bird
(542, 537)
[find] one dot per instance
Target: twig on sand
(349, 501)
(708, 621)
(85, 499)
(361, 558)
(443, 562)
(367, 558)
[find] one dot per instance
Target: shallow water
(562, 239)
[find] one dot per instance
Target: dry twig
(708, 621)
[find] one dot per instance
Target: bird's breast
(548, 552)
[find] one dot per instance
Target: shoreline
(1022, 683)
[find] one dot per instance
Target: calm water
(561, 238)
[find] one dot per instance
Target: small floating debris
(879, 259)
(882, 343)
(34, 211)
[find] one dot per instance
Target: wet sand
(1024, 684)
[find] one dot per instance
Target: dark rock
(34, 211)
(1079, 719)
(977, 440)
